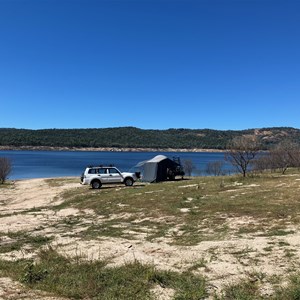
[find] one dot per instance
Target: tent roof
(157, 158)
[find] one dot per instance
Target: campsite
(160, 168)
(93, 90)
(200, 238)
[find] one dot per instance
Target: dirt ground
(27, 206)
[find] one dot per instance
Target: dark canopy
(158, 169)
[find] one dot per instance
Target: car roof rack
(101, 166)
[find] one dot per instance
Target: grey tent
(160, 168)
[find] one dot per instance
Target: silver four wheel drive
(96, 176)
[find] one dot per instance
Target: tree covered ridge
(132, 137)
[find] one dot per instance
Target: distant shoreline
(104, 149)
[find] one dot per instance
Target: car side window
(92, 171)
(102, 171)
(113, 171)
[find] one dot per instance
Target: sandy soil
(28, 206)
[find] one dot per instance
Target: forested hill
(131, 137)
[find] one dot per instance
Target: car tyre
(128, 181)
(96, 184)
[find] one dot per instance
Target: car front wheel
(96, 184)
(128, 182)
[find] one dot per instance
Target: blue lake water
(45, 164)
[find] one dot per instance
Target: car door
(104, 175)
(114, 176)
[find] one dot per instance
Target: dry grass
(190, 211)
(227, 229)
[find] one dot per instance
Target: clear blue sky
(153, 64)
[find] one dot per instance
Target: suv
(96, 176)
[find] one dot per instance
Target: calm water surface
(44, 164)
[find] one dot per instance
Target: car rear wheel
(128, 181)
(96, 184)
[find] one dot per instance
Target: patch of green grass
(245, 256)
(127, 228)
(291, 291)
(159, 230)
(80, 279)
(283, 244)
(277, 231)
(244, 290)
(268, 199)
(108, 229)
(250, 289)
(20, 239)
(94, 280)
(251, 229)
(268, 249)
(202, 263)
(289, 253)
(191, 234)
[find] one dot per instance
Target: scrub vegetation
(131, 137)
(94, 280)
(188, 228)
(192, 206)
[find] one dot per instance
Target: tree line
(244, 154)
(132, 137)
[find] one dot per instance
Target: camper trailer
(160, 168)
